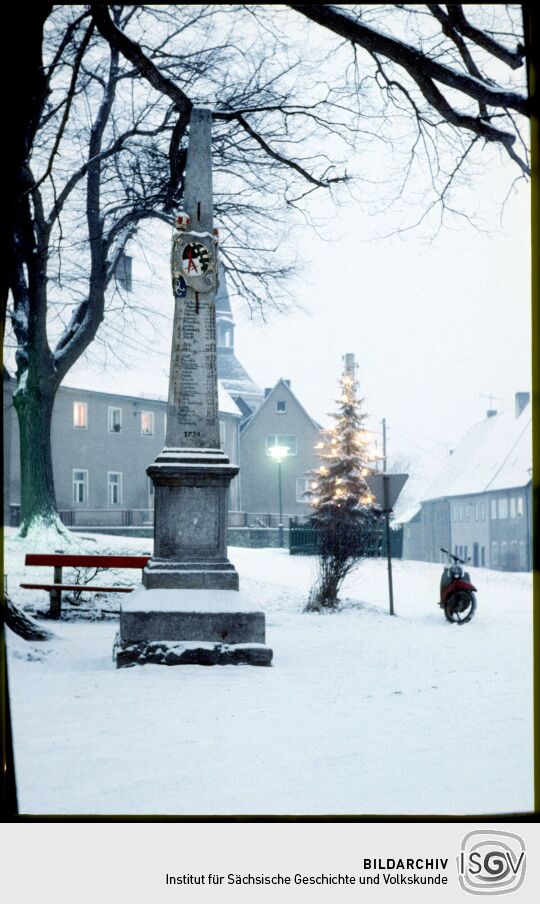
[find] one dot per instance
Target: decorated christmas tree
(338, 488)
(343, 507)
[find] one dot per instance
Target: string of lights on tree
(348, 455)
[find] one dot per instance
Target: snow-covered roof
(282, 384)
(226, 403)
(234, 377)
(405, 513)
(124, 386)
(495, 454)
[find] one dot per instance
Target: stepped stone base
(208, 627)
(162, 574)
(190, 653)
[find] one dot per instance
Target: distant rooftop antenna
(491, 412)
(349, 365)
(491, 398)
(349, 368)
(447, 448)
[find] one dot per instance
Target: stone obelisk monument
(192, 474)
(190, 610)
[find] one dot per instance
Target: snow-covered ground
(360, 712)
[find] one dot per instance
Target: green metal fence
(304, 541)
(396, 542)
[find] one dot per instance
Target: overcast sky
(436, 325)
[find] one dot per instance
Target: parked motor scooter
(458, 595)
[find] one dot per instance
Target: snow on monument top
(177, 600)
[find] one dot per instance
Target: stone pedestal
(190, 533)
(204, 627)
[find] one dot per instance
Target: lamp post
(279, 453)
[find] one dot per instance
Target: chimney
(522, 400)
(349, 365)
(491, 412)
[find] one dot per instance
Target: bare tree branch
(426, 70)
(451, 32)
(320, 183)
(413, 60)
(89, 314)
(514, 59)
(135, 55)
(81, 50)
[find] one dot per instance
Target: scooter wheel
(460, 607)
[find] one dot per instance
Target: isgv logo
(491, 862)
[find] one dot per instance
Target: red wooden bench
(60, 561)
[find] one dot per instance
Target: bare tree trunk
(324, 594)
(24, 101)
(22, 624)
(34, 402)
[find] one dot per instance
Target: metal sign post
(386, 489)
(389, 557)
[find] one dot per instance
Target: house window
(466, 512)
(225, 335)
(282, 439)
(114, 487)
(465, 552)
(80, 415)
(494, 553)
(477, 512)
(281, 407)
(493, 509)
(522, 555)
(503, 507)
(147, 423)
(483, 556)
(514, 555)
(482, 511)
(123, 271)
(519, 504)
(454, 512)
(115, 420)
(302, 486)
(461, 513)
(80, 487)
(504, 554)
(222, 434)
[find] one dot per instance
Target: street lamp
(280, 454)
